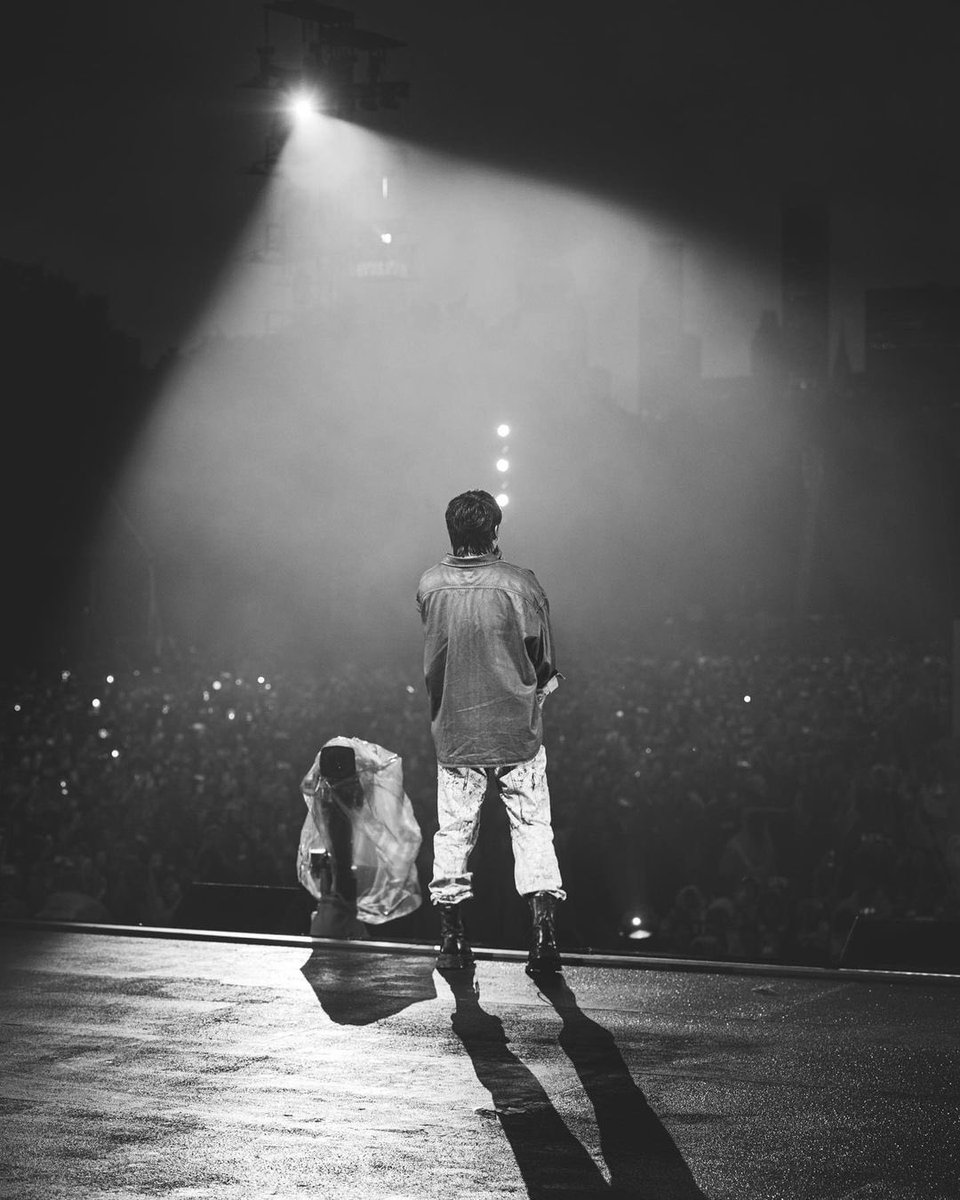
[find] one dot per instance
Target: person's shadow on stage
(641, 1157)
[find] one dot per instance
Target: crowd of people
(736, 802)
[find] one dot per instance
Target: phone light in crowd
(503, 431)
(503, 464)
(502, 499)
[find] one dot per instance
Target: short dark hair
(472, 521)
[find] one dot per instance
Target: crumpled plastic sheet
(386, 835)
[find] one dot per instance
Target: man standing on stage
(488, 665)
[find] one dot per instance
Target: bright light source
(503, 464)
(746, 699)
(503, 431)
(385, 188)
(109, 679)
(638, 926)
(114, 753)
(386, 238)
(639, 935)
(94, 703)
(503, 499)
(302, 105)
(216, 685)
(64, 675)
(261, 680)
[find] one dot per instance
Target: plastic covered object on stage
(385, 833)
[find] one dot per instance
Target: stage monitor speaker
(246, 908)
(903, 944)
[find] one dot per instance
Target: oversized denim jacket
(488, 652)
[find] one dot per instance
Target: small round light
(216, 685)
(94, 703)
(503, 499)
(503, 464)
(386, 238)
(503, 431)
(746, 699)
(109, 679)
(114, 753)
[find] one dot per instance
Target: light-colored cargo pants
(523, 790)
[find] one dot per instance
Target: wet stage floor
(135, 1066)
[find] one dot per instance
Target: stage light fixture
(503, 431)
(503, 464)
(638, 925)
(302, 104)
(503, 499)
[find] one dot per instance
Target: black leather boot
(544, 957)
(455, 953)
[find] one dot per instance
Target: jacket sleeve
(539, 645)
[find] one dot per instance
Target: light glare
(503, 431)
(302, 104)
(503, 464)
(503, 499)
